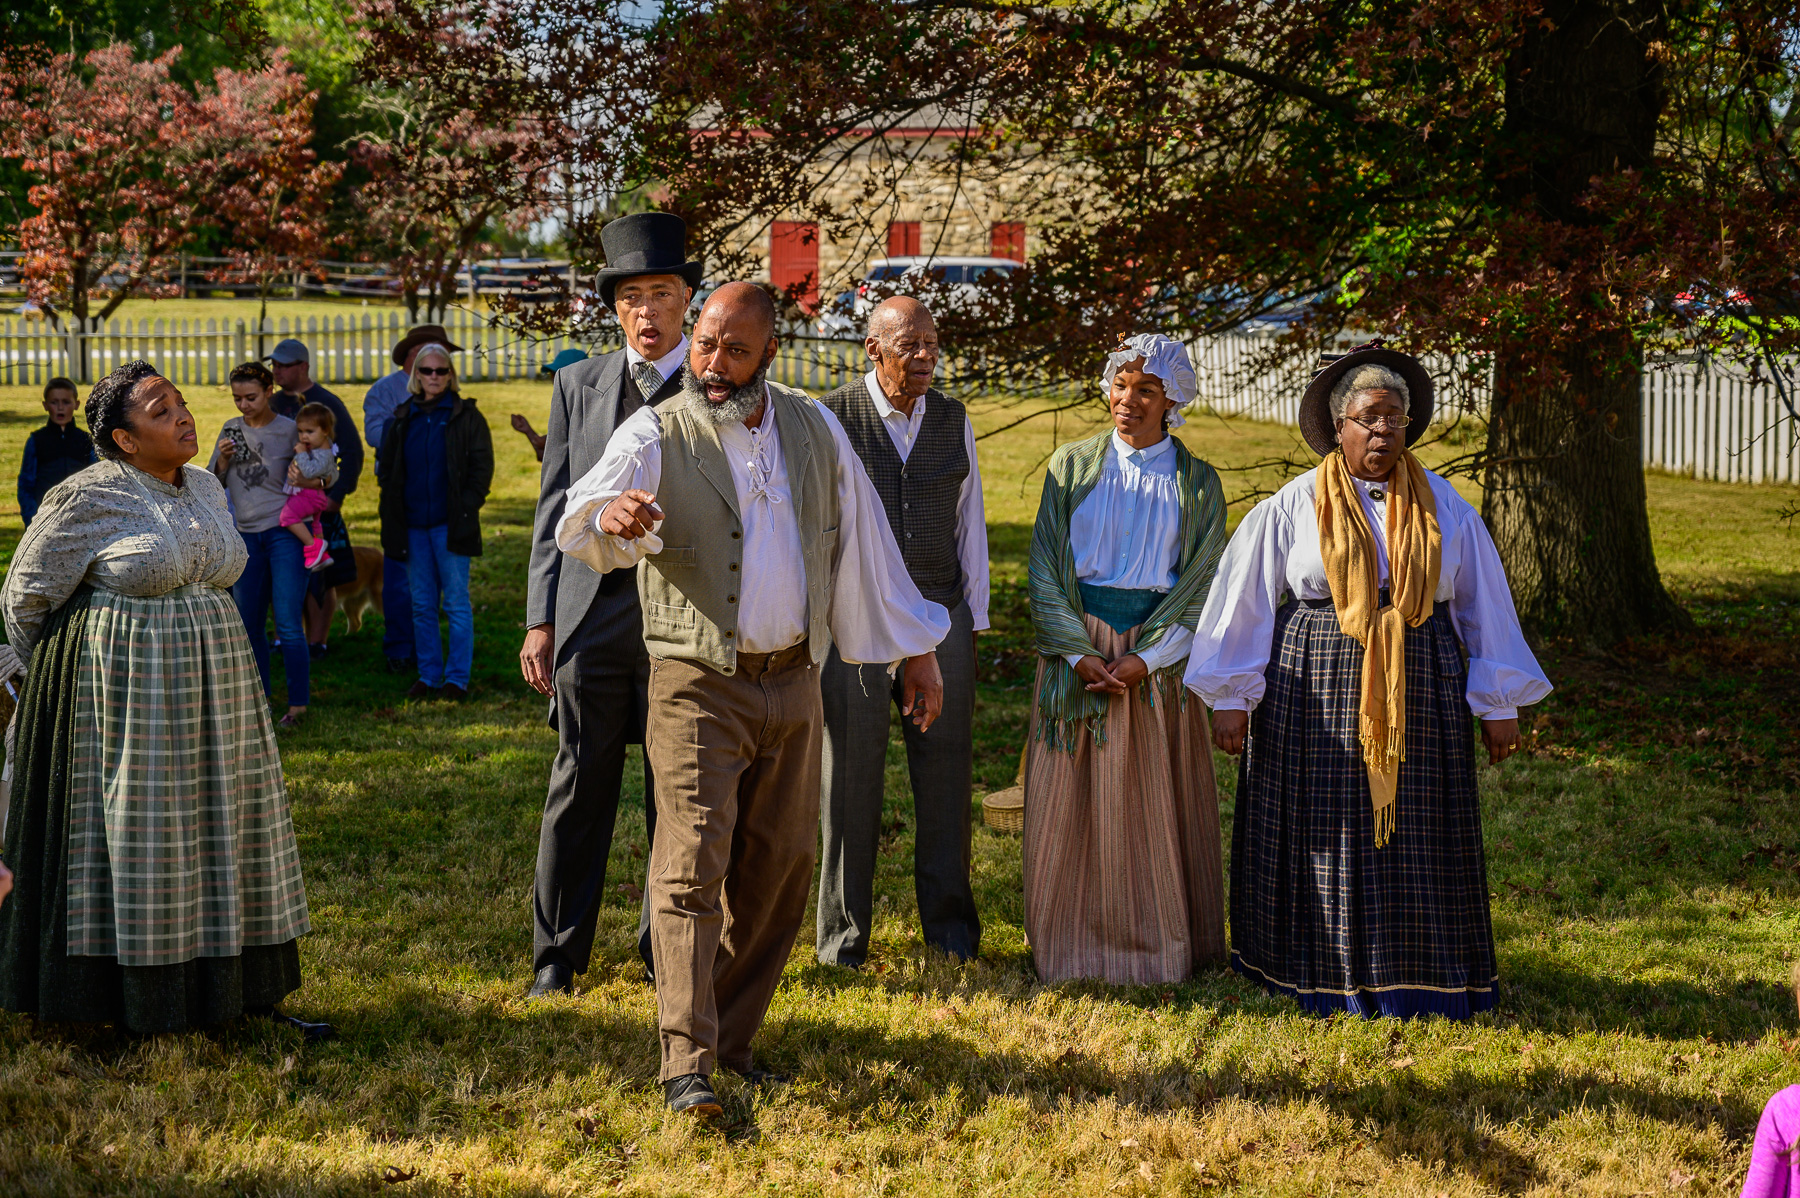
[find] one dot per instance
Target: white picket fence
(1707, 420)
(344, 349)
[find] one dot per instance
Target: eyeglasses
(431, 371)
(1380, 424)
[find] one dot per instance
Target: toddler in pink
(314, 469)
(1775, 1157)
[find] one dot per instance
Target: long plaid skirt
(1123, 870)
(1317, 911)
(180, 841)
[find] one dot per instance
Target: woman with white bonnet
(1123, 874)
(1332, 652)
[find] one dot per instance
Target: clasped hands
(1113, 677)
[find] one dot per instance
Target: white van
(941, 284)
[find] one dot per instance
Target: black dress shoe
(552, 979)
(761, 1077)
(315, 1033)
(453, 692)
(421, 690)
(692, 1094)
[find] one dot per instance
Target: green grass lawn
(1643, 858)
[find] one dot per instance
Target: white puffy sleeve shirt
(1127, 533)
(877, 614)
(1276, 550)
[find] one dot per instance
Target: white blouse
(877, 614)
(1276, 550)
(1127, 533)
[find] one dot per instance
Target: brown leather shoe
(421, 690)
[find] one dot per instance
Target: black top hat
(1315, 406)
(645, 243)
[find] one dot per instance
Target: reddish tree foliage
(1527, 187)
(121, 158)
(129, 166)
(468, 141)
(275, 196)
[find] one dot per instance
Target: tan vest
(689, 591)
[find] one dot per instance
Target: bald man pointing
(759, 542)
(919, 450)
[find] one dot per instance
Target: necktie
(649, 380)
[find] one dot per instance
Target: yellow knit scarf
(1415, 551)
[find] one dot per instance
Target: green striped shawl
(1064, 704)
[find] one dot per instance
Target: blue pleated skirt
(1319, 913)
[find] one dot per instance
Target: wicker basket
(1004, 810)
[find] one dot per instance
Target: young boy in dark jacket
(53, 452)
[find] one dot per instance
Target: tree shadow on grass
(858, 1072)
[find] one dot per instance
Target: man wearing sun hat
(584, 645)
(379, 406)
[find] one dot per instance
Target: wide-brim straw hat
(1315, 406)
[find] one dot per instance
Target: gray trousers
(859, 701)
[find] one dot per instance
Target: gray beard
(738, 407)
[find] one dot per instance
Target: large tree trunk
(1565, 502)
(1566, 498)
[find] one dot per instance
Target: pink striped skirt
(1124, 877)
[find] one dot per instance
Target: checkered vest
(919, 494)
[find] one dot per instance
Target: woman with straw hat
(1123, 874)
(1332, 652)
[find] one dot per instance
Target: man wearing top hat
(584, 647)
(379, 405)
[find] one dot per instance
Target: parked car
(837, 320)
(942, 284)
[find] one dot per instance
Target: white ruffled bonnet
(1164, 357)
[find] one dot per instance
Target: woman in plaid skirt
(158, 883)
(1359, 616)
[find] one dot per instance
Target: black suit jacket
(588, 402)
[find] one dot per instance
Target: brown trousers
(736, 759)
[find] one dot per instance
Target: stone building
(910, 190)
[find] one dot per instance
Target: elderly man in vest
(758, 541)
(919, 450)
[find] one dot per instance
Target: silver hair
(738, 406)
(1367, 378)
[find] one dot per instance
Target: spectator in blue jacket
(53, 452)
(383, 400)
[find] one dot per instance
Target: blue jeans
(396, 611)
(433, 572)
(275, 573)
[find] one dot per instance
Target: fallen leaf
(1462, 1048)
(109, 1150)
(1403, 1063)
(287, 1066)
(957, 1130)
(942, 1013)
(394, 1175)
(1146, 1171)
(631, 892)
(587, 1127)
(1678, 1179)
(1128, 1143)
